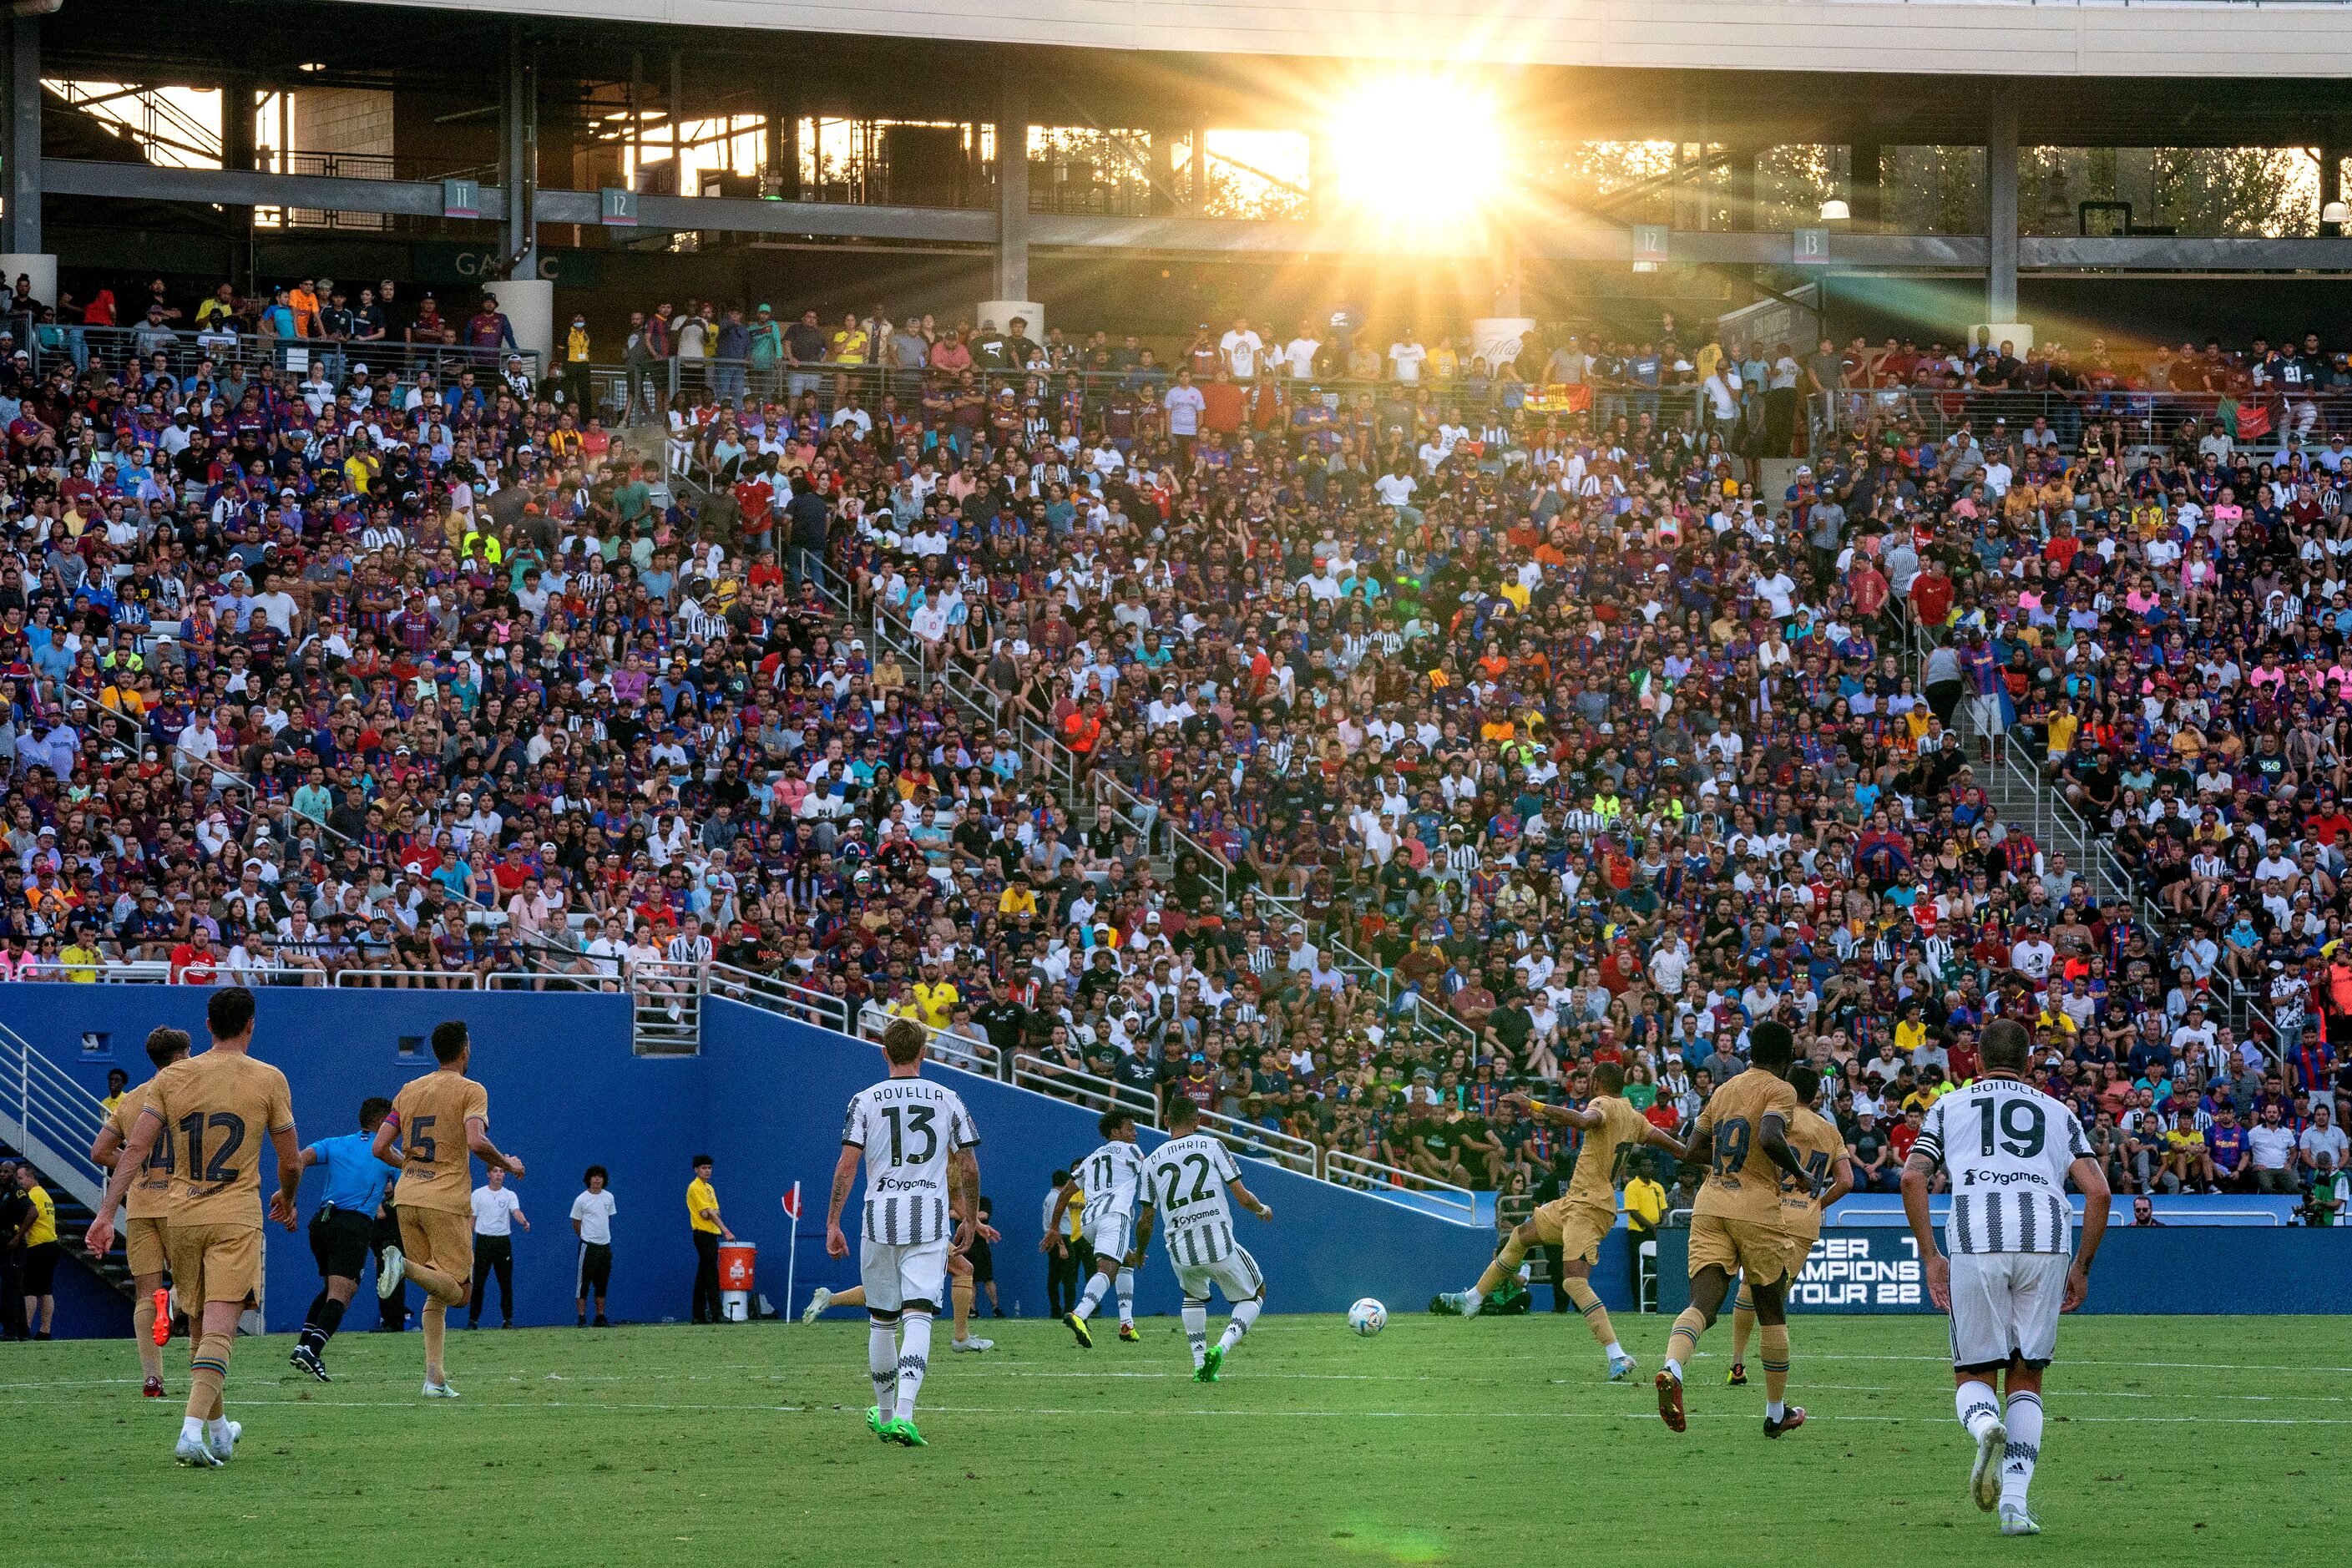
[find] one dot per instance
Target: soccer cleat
(1078, 1325)
(817, 1304)
(2015, 1521)
(1454, 1304)
(1621, 1367)
(224, 1449)
(972, 1346)
(162, 1316)
(1211, 1362)
(1670, 1401)
(1984, 1475)
(876, 1421)
(1126, 1332)
(601, 1322)
(388, 1278)
(308, 1360)
(1738, 1376)
(195, 1452)
(440, 1390)
(1789, 1422)
(903, 1433)
(154, 1389)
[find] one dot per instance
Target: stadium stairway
(50, 1121)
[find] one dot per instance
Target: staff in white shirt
(497, 1212)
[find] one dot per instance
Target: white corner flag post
(792, 1247)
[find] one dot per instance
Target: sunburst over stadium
(1172, 714)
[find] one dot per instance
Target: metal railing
(130, 351)
(1087, 1089)
(1377, 1176)
(50, 1118)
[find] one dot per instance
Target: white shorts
(1986, 711)
(2005, 1307)
(895, 1275)
(1235, 1274)
(1110, 1235)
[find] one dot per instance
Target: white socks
(1126, 1297)
(1774, 1410)
(1470, 1301)
(192, 1426)
(216, 1430)
(1096, 1285)
(2024, 1448)
(914, 1359)
(1674, 1369)
(1614, 1351)
(1196, 1329)
(882, 1361)
(1978, 1406)
(1245, 1314)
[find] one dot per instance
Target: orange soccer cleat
(162, 1316)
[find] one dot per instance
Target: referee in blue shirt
(340, 1231)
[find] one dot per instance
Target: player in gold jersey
(1822, 1149)
(1743, 1134)
(436, 1123)
(142, 1231)
(1577, 1220)
(210, 1114)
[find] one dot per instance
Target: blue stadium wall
(765, 1097)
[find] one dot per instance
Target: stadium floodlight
(1835, 211)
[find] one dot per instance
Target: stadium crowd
(1420, 728)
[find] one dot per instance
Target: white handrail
(50, 1117)
(1072, 1083)
(773, 993)
(1378, 1176)
(1285, 1148)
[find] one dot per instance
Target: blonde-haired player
(142, 1227)
(1577, 1220)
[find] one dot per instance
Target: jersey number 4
(918, 1119)
(2021, 1132)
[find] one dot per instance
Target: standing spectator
(2323, 1145)
(1064, 1270)
(592, 1222)
(809, 522)
(14, 1206)
(37, 1233)
(708, 1229)
(578, 389)
(496, 1213)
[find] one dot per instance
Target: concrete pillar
(518, 158)
(1165, 202)
(2000, 204)
(1198, 195)
(20, 220)
(1741, 187)
(1013, 185)
(529, 306)
(239, 139)
(1863, 183)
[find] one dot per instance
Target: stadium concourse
(1325, 727)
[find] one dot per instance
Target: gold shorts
(145, 1247)
(1574, 1228)
(440, 1240)
(215, 1263)
(1801, 1247)
(1739, 1246)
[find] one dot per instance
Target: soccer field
(1492, 1441)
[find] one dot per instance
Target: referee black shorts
(595, 1268)
(339, 1241)
(983, 1261)
(41, 1268)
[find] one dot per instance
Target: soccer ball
(1368, 1317)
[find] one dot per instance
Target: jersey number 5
(918, 1118)
(422, 1144)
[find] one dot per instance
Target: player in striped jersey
(1113, 1178)
(922, 1181)
(1188, 1178)
(2010, 1149)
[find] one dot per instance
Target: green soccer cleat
(903, 1433)
(1738, 1376)
(1078, 1326)
(876, 1421)
(1207, 1371)
(2015, 1521)
(1127, 1334)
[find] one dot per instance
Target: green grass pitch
(1492, 1441)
